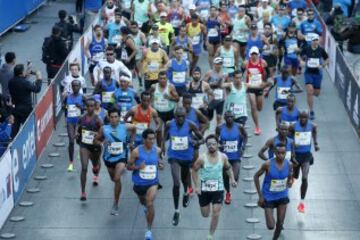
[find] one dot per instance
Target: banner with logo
(6, 189)
(330, 48)
(44, 117)
(57, 90)
(23, 156)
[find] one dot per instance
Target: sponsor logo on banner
(330, 48)
(348, 97)
(355, 113)
(44, 115)
(23, 156)
(341, 77)
(58, 100)
(6, 189)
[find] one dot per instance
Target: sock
(177, 210)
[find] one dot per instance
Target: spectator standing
(20, 89)
(7, 73)
(68, 27)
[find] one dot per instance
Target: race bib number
(291, 48)
(231, 146)
(313, 62)
(179, 143)
(179, 77)
(288, 155)
(140, 128)
(161, 103)
(218, 94)
(228, 62)
(148, 173)
(116, 39)
(124, 55)
(153, 66)
(197, 100)
(176, 22)
(73, 111)
(278, 185)
(204, 13)
(196, 40)
(283, 92)
(116, 148)
(238, 109)
(303, 138)
(98, 56)
(288, 123)
(185, 56)
(107, 97)
(309, 36)
(87, 137)
(255, 80)
(213, 32)
(210, 186)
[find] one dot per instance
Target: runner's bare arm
(268, 145)
(228, 169)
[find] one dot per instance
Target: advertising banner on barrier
(23, 156)
(57, 91)
(6, 190)
(330, 48)
(10, 13)
(32, 5)
(44, 117)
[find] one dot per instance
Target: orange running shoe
(257, 131)
(301, 208)
(228, 198)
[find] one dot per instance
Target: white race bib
(87, 137)
(278, 185)
(288, 155)
(124, 55)
(107, 97)
(231, 146)
(283, 92)
(195, 40)
(255, 80)
(238, 109)
(197, 100)
(176, 22)
(148, 173)
(288, 123)
(179, 77)
(116, 39)
(213, 32)
(309, 36)
(179, 143)
(140, 128)
(218, 94)
(291, 48)
(116, 148)
(161, 103)
(98, 56)
(302, 138)
(228, 62)
(73, 111)
(210, 186)
(313, 62)
(153, 66)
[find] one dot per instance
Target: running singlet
(236, 101)
(211, 174)
(228, 56)
(184, 44)
(289, 117)
(303, 137)
(257, 42)
(161, 104)
(114, 33)
(97, 49)
(291, 44)
(116, 138)
(283, 88)
(213, 29)
(192, 116)
(180, 144)
(177, 72)
(88, 129)
(140, 11)
(240, 30)
(125, 100)
(107, 92)
(153, 64)
(275, 182)
(148, 175)
(216, 79)
(288, 148)
(231, 141)
(198, 96)
(141, 121)
(255, 74)
(196, 37)
(73, 113)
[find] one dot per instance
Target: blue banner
(32, 5)
(23, 156)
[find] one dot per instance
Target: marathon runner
(288, 114)
(195, 31)
(232, 138)
(240, 32)
(229, 55)
(124, 97)
(274, 190)
(106, 88)
(66, 86)
(213, 25)
(208, 178)
(145, 162)
(184, 41)
(178, 71)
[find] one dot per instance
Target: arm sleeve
(35, 86)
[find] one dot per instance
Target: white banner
(330, 48)
(6, 191)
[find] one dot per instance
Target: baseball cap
(253, 26)
(218, 60)
(254, 50)
(192, 7)
(197, 69)
(163, 14)
(125, 78)
(154, 40)
(228, 38)
(315, 37)
(97, 98)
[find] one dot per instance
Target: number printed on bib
(228, 62)
(278, 185)
(73, 111)
(179, 77)
(195, 39)
(204, 13)
(87, 136)
(291, 48)
(148, 173)
(140, 128)
(213, 32)
(255, 80)
(309, 36)
(210, 186)
(107, 97)
(161, 103)
(303, 138)
(179, 143)
(218, 94)
(153, 66)
(313, 62)
(238, 109)
(98, 56)
(288, 155)
(116, 148)
(231, 146)
(283, 92)
(197, 100)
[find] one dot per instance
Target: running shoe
(176, 218)
(186, 200)
(70, 167)
(209, 237)
(190, 191)
(148, 235)
(301, 208)
(312, 115)
(115, 210)
(228, 198)
(95, 180)
(257, 131)
(83, 196)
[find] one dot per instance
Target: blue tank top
(191, 116)
(289, 143)
(231, 141)
(93, 5)
(213, 28)
(177, 73)
(180, 144)
(149, 175)
(254, 43)
(107, 93)
(116, 137)
(125, 100)
(73, 112)
(96, 47)
(303, 137)
(289, 117)
(275, 183)
(291, 43)
(281, 86)
(183, 43)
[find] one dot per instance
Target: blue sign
(23, 156)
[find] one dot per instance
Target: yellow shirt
(164, 32)
(153, 63)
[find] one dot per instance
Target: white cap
(125, 78)
(315, 37)
(154, 40)
(265, 0)
(192, 7)
(254, 50)
(163, 14)
(218, 60)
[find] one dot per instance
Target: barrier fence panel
(44, 117)
(6, 188)
(56, 85)
(23, 156)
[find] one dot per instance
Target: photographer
(20, 90)
(68, 27)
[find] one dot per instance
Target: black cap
(197, 69)
(253, 26)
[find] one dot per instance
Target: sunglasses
(109, 54)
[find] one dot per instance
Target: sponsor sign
(6, 189)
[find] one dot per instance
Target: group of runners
(152, 102)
